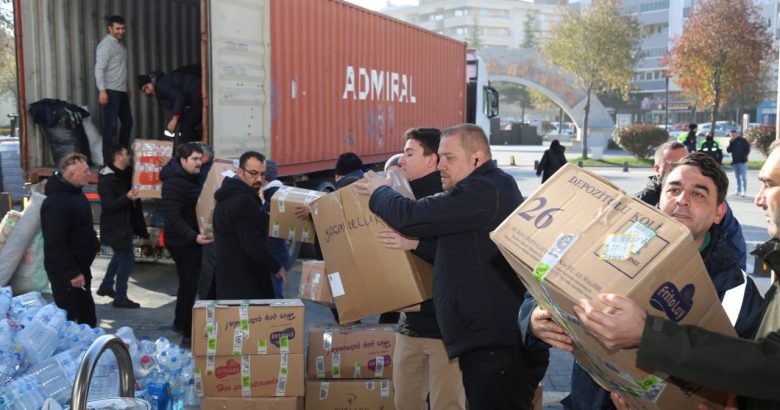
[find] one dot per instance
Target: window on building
(436, 17)
(652, 6)
(462, 31)
(461, 12)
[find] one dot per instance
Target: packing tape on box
(198, 383)
(357, 370)
(246, 377)
(320, 365)
(562, 244)
(327, 341)
(281, 199)
(385, 390)
(370, 385)
(324, 388)
(275, 230)
(291, 233)
(238, 342)
(315, 283)
(284, 344)
(243, 315)
(310, 196)
(335, 365)
(281, 385)
(379, 366)
(211, 334)
(262, 346)
(305, 234)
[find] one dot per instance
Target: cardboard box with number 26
(579, 235)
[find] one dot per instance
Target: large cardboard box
(314, 283)
(361, 351)
(204, 210)
(366, 278)
(283, 222)
(271, 327)
(579, 235)
(349, 394)
(252, 375)
(251, 403)
(149, 156)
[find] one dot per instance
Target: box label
(673, 302)
(335, 285)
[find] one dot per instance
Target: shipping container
(299, 80)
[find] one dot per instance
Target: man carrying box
(243, 258)
(421, 362)
(475, 291)
(693, 193)
(745, 367)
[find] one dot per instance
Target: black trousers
(502, 377)
(78, 302)
(188, 260)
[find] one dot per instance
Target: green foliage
(474, 39)
(761, 138)
(641, 140)
(511, 93)
(597, 44)
(529, 31)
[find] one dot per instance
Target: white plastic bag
(31, 274)
(21, 237)
(95, 140)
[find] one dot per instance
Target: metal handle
(87, 368)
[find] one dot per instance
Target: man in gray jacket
(111, 80)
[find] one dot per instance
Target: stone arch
(527, 67)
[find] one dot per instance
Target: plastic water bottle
(145, 359)
(126, 334)
(5, 300)
(25, 393)
(10, 362)
(105, 379)
(8, 329)
(56, 375)
(162, 343)
(40, 339)
(29, 303)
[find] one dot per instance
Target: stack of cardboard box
(249, 354)
(350, 366)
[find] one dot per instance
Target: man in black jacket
(421, 360)
(180, 191)
(739, 148)
(243, 258)
(476, 293)
(120, 218)
(693, 347)
(179, 91)
(69, 241)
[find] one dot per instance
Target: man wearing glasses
(240, 232)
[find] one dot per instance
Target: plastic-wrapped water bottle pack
(40, 353)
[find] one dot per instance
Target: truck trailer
(301, 81)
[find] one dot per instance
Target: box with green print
(248, 327)
(283, 222)
(360, 351)
(578, 236)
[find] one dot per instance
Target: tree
(7, 48)
(600, 46)
(640, 139)
(474, 39)
(720, 54)
(529, 31)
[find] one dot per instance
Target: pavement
(154, 285)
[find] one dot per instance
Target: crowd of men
(481, 340)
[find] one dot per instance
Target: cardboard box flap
(253, 302)
(204, 210)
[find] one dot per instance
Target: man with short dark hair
(180, 92)
(689, 137)
(349, 169)
(69, 241)
(180, 192)
(476, 293)
(111, 80)
(243, 258)
(739, 148)
(422, 365)
(121, 217)
(723, 363)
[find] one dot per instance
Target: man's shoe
(186, 342)
(126, 304)
(106, 292)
